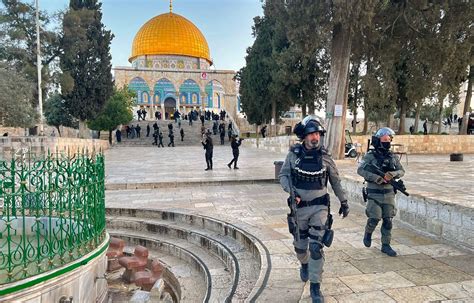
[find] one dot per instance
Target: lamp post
(38, 66)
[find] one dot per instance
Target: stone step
(171, 184)
(219, 262)
(244, 256)
(192, 133)
(183, 273)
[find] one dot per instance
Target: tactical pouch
(291, 223)
(329, 221)
(328, 237)
(364, 194)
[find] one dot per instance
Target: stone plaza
(430, 266)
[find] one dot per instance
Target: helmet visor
(385, 131)
(310, 118)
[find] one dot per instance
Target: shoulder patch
(296, 148)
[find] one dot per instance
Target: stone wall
(276, 144)
(48, 131)
(41, 145)
(446, 221)
(412, 144)
(428, 144)
(85, 283)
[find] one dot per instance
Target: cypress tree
(86, 61)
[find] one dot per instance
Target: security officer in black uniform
(306, 171)
(380, 194)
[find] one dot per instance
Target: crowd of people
(219, 126)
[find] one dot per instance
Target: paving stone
(338, 269)
(336, 255)
(378, 265)
(200, 205)
(364, 297)
(281, 294)
(460, 290)
(277, 247)
(334, 286)
(420, 261)
(464, 263)
(364, 253)
(434, 275)
(414, 294)
(379, 281)
(439, 250)
(285, 261)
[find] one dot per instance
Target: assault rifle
(292, 218)
(397, 185)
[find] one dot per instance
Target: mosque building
(172, 69)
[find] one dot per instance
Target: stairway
(232, 264)
(192, 134)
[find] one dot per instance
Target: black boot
(367, 239)
(304, 275)
(315, 292)
(387, 249)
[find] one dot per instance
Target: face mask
(385, 145)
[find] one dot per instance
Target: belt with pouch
(323, 200)
(379, 191)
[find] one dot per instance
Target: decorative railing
(52, 211)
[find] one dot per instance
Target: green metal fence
(52, 211)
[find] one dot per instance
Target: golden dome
(170, 34)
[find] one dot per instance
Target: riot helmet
(376, 139)
(309, 125)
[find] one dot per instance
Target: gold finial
(171, 6)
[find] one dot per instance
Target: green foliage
(16, 109)
(57, 114)
(257, 78)
(85, 62)
(18, 42)
(418, 49)
(117, 110)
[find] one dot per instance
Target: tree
(304, 63)
(117, 111)
(18, 40)
(86, 62)
(16, 109)
(261, 97)
(57, 114)
(419, 50)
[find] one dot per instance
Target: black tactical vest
(309, 172)
(385, 161)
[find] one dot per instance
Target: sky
(226, 24)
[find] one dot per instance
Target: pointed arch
(189, 92)
(141, 88)
(163, 89)
(215, 92)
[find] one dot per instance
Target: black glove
(344, 209)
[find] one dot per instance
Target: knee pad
(372, 222)
(387, 223)
(315, 251)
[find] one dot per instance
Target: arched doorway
(170, 107)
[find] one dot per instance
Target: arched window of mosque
(183, 99)
(157, 99)
(145, 97)
(139, 97)
(195, 98)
